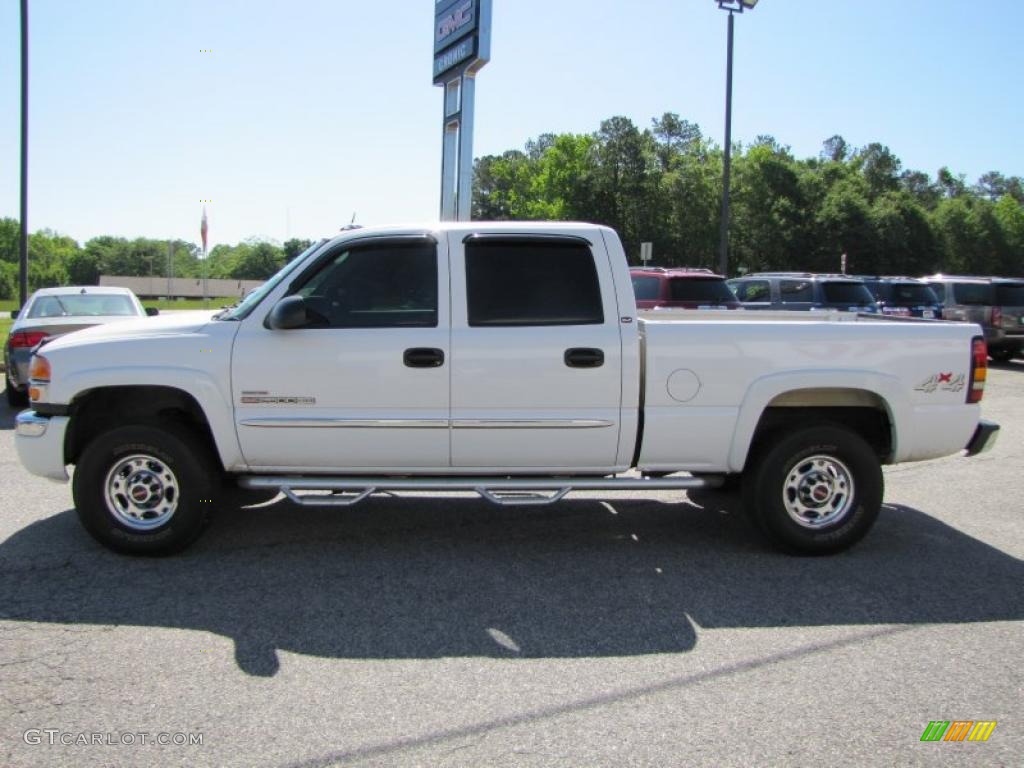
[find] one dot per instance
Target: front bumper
(984, 438)
(40, 444)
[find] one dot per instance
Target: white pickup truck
(497, 358)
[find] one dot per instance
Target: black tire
(814, 491)
(15, 399)
(175, 467)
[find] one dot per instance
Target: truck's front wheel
(144, 490)
(817, 490)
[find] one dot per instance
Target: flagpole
(203, 230)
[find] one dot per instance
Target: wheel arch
(96, 410)
(868, 404)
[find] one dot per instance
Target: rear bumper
(17, 368)
(984, 438)
(40, 444)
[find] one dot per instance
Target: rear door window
(524, 282)
(847, 293)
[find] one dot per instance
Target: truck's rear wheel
(145, 490)
(816, 491)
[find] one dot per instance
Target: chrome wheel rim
(141, 492)
(818, 491)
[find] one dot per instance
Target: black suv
(904, 297)
(803, 291)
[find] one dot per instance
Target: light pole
(23, 235)
(733, 7)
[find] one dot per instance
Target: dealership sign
(462, 37)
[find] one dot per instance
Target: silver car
(55, 311)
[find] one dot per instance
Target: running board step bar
(503, 491)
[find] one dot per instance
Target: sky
(293, 117)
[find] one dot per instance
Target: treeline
(55, 259)
(663, 184)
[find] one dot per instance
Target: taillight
(997, 316)
(29, 339)
(979, 369)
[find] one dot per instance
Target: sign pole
(462, 46)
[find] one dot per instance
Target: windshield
(83, 305)
(701, 289)
(248, 304)
(1010, 294)
(847, 293)
(910, 294)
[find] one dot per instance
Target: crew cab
(505, 359)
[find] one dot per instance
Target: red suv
(682, 288)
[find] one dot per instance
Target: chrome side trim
(338, 423)
(329, 423)
(531, 423)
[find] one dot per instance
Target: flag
(203, 229)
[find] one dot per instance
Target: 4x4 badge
(944, 381)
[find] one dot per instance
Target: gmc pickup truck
(497, 358)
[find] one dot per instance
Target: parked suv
(978, 300)
(904, 297)
(1010, 318)
(803, 291)
(683, 288)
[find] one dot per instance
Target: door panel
(335, 398)
(516, 400)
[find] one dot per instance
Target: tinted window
(700, 289)
(851, 294)
(377, 286)
(1010, 294)
(646, 288)
(792, 291)
(83, 305)
(939, 290)
(911, 294)
(532, 283)
(973, 293)
(752, 290)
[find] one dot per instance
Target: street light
(733, 7)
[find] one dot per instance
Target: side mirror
(152, 311)
(289, 312)
(14, 314)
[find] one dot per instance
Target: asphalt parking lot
(641, 631)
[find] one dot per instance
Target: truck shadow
(418, 578)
